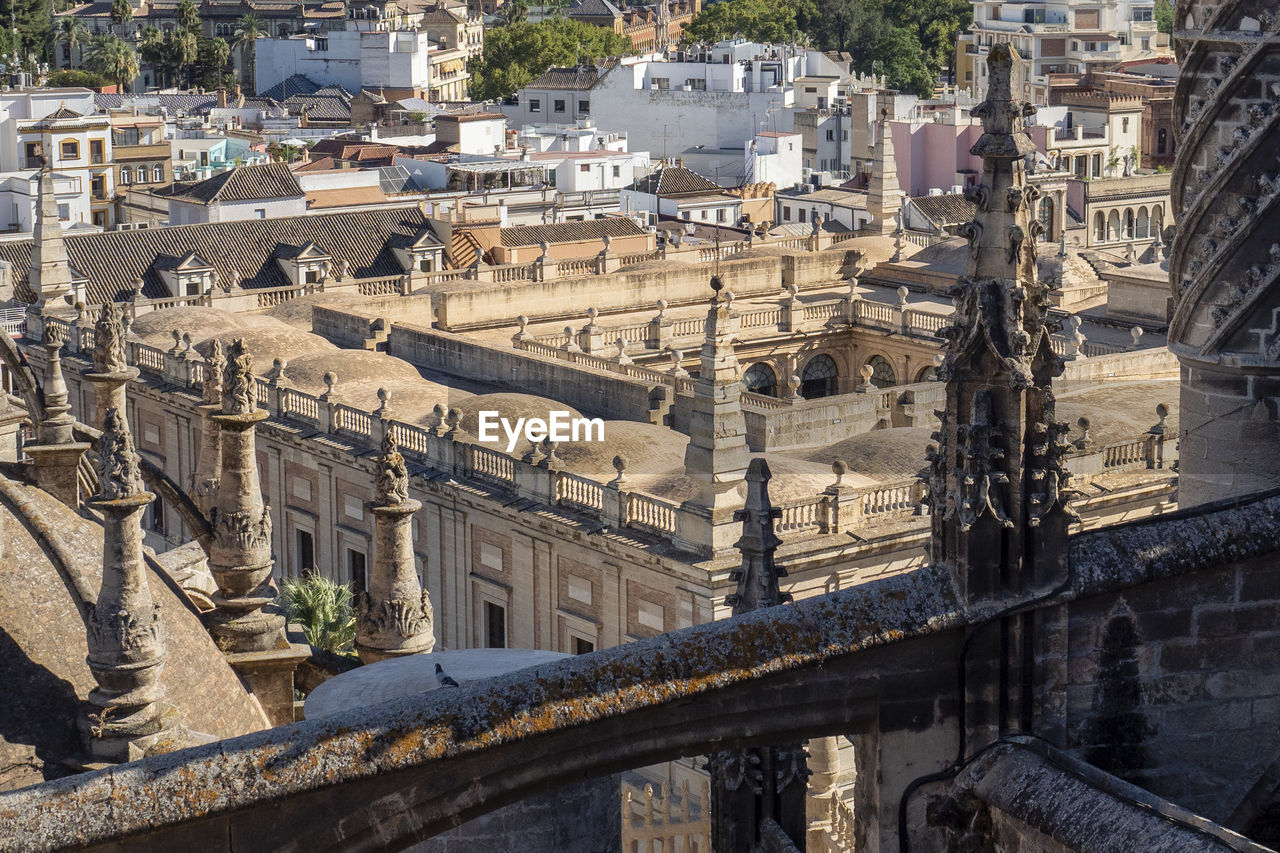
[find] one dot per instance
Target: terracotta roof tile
(946, 209)
(245, 183)
(569, 232)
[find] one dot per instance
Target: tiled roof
(111, 261)
(190, 104)
(320, 199)
(442, 16)
(676, 180)
(320, 164)
(569, 232)
(246, 183)
(581, 78)
(298, 84)
(594, 9)
(947, 209)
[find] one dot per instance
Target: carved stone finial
(330, 384)
(239, 388)
(276, 375)
(620, 345)
(839, 467)
(384, 409)
(454, 420)
(108, 341)
(1136, 333)
(118, 473)
(903, 293)
(619, 465)
(392, 481)
(441, 414)
(1085, 440)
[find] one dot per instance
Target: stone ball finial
(1162, 411)
(330, 382)
(593, 313)
(839, 467)
(186, 340)
(792, 289)
(620, 463)
(455, 419)
(1136, 333)
(662, 306)
(523, 322)
(1085, 439)
(569, 330)
(866, 370)
(793, 385)
(903, 293)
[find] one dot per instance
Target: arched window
(157, 174)
(1162, 141)
(927, 374)
(1099, 228)
(1128, 224)
(1157, 217)
(1046, 218)
(760, 379)
(1144, 223)
(819, 378)
(126, 175)
(882, 375)
(1113, 226)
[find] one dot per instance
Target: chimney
(222, 99)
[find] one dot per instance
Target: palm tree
(217, 53)
(152, 49)
(515, 11)
(323, 609)
(188, 16)
(121, 14)
(248, 30)
(72, 31)
(113, 58)
(184, 48)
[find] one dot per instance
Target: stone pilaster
(1224, 263)
(395, 616)
(125, 632)
(245, 618)
(204, 480)
(56, 456)
(754, 784)
(884, 198)
(246, 623)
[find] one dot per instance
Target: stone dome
(42, 629)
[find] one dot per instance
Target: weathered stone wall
(581, 818)
(1230, 436)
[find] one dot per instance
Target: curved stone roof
(42, 633)
(950, 255)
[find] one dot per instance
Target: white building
(775, 157)
(267, 191)
(62, 129)
(373, 59)
(1057, 37)
(19, 200)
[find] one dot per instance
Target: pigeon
(444, 678)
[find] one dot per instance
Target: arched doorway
(882, 372)
(1113, 227)
(760, 379)
(1099, 228)
(820, 377)
(1128, 224)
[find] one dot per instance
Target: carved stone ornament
(108, 341)
(118, 473)
(240, 531)
(400, 617)
(392, 480)
(214, 365)
(239, 391)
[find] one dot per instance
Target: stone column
(395, 616)
(1225, 256)
(56, 458)
(111, 371)
(246, 623)
(245, 619)
(125, 633)
(204, 480)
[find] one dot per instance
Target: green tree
(1164, 16)
(937, 25)
(897, 55)
(121, 14)
(184, 50)
(848, 25)
(323, 609)
(514, 12)
(516, 54)
(76, 77)
(155, 52)
(71, 31)
(249, 28)
(188, 16)
(34, 25)
(214, 56)
(113, 58)
(757, 20)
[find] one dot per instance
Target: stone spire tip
(118, 473)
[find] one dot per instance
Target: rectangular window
(584, 106)
(70, 150)
(356, 568)
(617, 171)
(98, 187)
(697, 84)
(584, 168)
(100, 218)
(662, 82)
(259, 213)
(1124, 125)
(720, 215)
(535, 105)
(33, 156)
(157, 515)
(786, 214)
(583, 647)
(831, 136)
(1144, 14)
(803, 214)
(64, 212)
(1146, 44)
(559, 105)
(495, 626)
(306, 553)
(313, 277)
(95, 151)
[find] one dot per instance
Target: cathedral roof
(42, 630)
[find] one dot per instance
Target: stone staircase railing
(653, 821)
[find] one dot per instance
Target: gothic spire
(50, 273)
(997, 476)
(884, 198)
(758, 576)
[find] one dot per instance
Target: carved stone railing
(661, 821)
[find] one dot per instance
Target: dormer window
(190, 275)
(306, 264)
